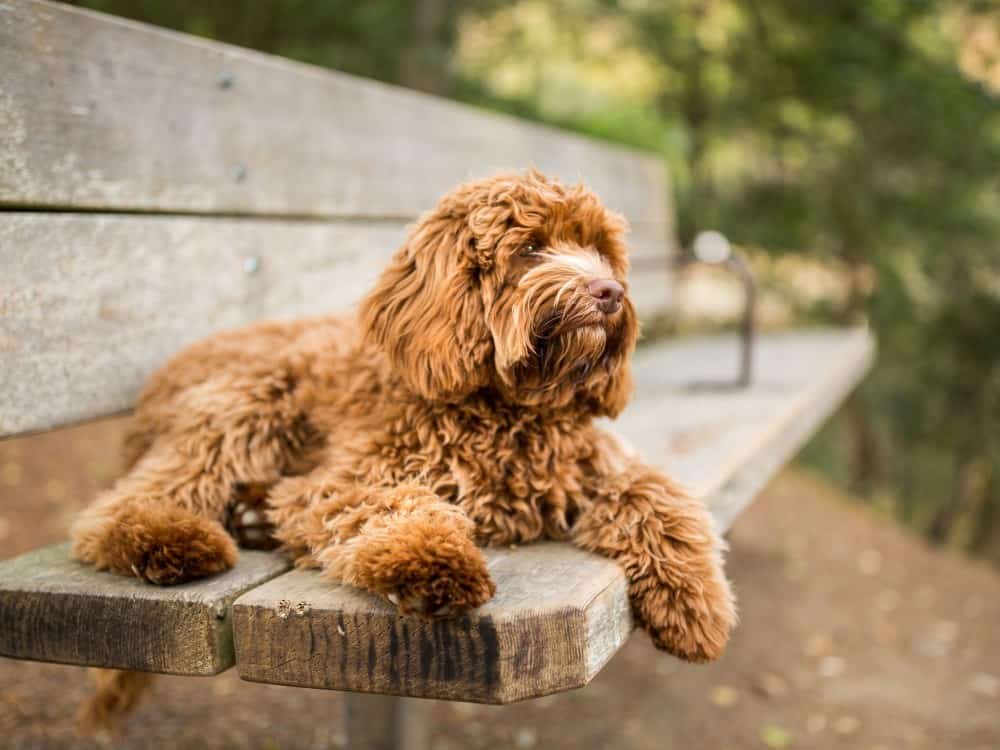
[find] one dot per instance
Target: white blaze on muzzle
(561, 273)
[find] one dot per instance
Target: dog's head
(514, 283)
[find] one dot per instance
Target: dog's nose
(608, 293)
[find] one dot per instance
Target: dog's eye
(528, 250)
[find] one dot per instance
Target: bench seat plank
(723, 443)
(545, 631)
(91, 304)
(559, 614)
(53, 608)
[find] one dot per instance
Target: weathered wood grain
(53, 608)
(725, 443)
(537, 636)
(91, 304)
(107, 114)
(560, 614)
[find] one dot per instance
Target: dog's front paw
(425, 568)
(162, 545)
(691, 619)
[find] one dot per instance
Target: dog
(455, 409)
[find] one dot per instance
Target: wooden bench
(155, 188)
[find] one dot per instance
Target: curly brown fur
(457, 408)
(115, 693)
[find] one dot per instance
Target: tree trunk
(422, 65)
(952, 509)
(866, 454)
(985, 539)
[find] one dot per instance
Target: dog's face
(515, 283)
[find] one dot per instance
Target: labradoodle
(455, 409)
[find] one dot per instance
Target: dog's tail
(115, 694)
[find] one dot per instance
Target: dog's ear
(426, 310)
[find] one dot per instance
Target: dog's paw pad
(422, 606)
(246, 517)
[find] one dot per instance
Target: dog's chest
(519, 478)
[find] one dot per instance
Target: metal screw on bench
(226, 80)
(713, 248)
(251, 264)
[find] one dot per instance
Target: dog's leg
(665, 541)
(161, 521)
(403, 542)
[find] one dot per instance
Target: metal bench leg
(385, 722)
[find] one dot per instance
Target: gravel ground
(854, 634)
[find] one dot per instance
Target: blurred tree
(399, 41)
(861, 131)
(845, 130)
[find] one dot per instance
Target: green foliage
(842, 129)
(390, 40)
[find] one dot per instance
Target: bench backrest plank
(155, 187)
(104, 113)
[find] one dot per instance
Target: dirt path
(854, 635)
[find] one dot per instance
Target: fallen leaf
(525, 738)
(465, 710)
(985, 684)
(11, 474)
(847, 725)
(884, 632)
(887, 600)
(775, 736)
(831, 666)
(223, 688)
(724, 696)
(55, 489)
(973, 606)
(770, 684)
(938, 641)
(818, 644)
(795, 543)
(633, 727)
(870, 562)
(795, 569)
(667, 667)
(946, 630)
(816, 723)
(914, 735)
(926, 596)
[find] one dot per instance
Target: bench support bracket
(385, 722)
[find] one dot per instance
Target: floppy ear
(426, 311)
